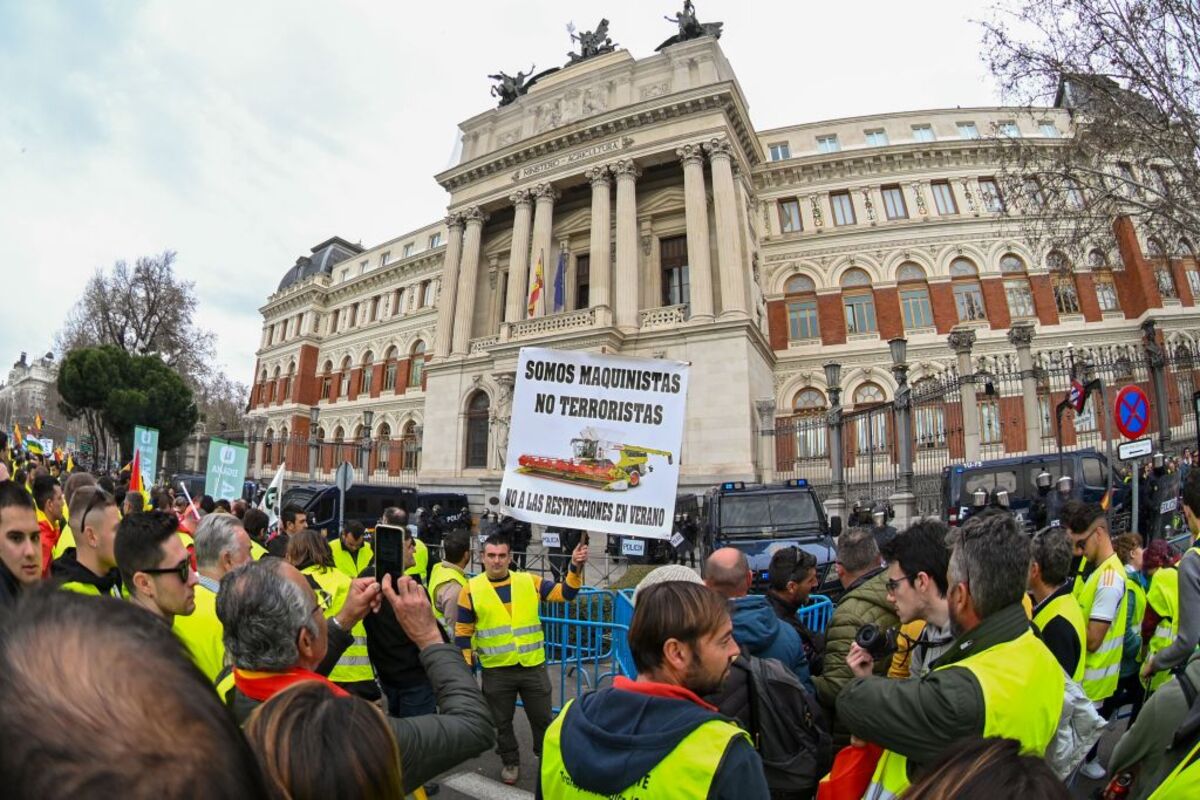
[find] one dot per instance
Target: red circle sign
(1131, 412)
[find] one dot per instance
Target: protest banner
(145, 440)
(594, 442)
(226, 470)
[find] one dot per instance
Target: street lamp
(899, 349)
(365, 445)
(903, 418)
(833, 382)
(314, 413)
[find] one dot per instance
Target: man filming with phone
(498, 619)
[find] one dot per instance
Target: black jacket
(429, 744)
(10, 590)
(814, 643)
(396, 659)
(67, 569)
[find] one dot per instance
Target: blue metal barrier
(816, 613)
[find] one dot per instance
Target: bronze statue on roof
(689, 27)
(591, 43)
(510, 87)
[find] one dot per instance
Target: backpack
(786, 724)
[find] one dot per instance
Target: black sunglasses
(183, 569)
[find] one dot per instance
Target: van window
(991, 480)
(1093, 472)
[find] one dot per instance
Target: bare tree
(1128, 74)
(222, 405)
(142, 309)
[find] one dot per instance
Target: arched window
(477, 431)
(868, 394)
(929, 419)
(810, 432)
(858, 301)
(364, 381)
(914, 296)
(1185, 249)
(417, 366)
(389, 370)
(1154, 248)
(327, 380)
(809, 402)
(339, 450)
(1016, 286)
(871, 429)
(1062, 280)
(345, 388)
(382, 457)
(410, 458)
(268, 447)
(968, 294)
(802, 308)
(287, 383)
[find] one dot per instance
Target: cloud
(240, 134)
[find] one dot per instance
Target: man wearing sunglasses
(90, 567)
(155, 565)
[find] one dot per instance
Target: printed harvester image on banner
(594, 442)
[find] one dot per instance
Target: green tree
(85, 378)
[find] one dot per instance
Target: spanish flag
(135, 476)
(70, 463)
(537, 300)
(1106, 501)
(18, 439)
(37, 422)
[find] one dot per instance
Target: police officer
(1039, 508)
(881, 514)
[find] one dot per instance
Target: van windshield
(755, 512)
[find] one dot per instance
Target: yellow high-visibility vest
(441, 574)
(502, 640)
(1065, 606)
(350, 565)
(1103, 667)
(201, 631)
(355, 663)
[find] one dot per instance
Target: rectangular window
(435, 240)
(992, 199)
(1045, 416)
(967, 130)
(364, 382)
(860, 313)
(1193, 279)
(363, 267)
(968, 302)
(1020, 298)
(802, 320)
(1166, 283)
(843, 208)
(943, 197)
(1128, 182)
(914, 303)
(1073, 194)
(326, 385)
(990, 431)
(389, 376)
(1048, 129)
(415, 368)
(374, 308)
(353, 315)
(384, 257)
(672, 255)
(345, 274)
(929, 423)
(1066, 298)
(345, 383)
(876, 138)
(583, 281)
(789, 216)
(1008, 128)
(893, 202)
(407, 250)
(922, 133)
(780, 151)
(426, 294)
(828, 144)
(1106, 292)
(871, 433)
(1033, 193)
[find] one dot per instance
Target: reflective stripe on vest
(1183, 781)
(347, 564)
(1103, 667)
(686, 771)
(443, 574)
(355, 663)
(1014, 706)
(500, 639)
(1163, 597)
(1065, 606)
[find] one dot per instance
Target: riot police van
(760, 519)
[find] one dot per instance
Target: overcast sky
(239, 134)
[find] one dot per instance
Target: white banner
(594, 442)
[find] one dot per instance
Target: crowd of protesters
(153, 646)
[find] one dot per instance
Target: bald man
(755, 627)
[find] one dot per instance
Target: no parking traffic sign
(1131, 412)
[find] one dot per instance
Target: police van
(760, 519)
(365, 504)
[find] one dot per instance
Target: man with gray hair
(864, 601)
(276, 637)
(1057, 613)
(996, 680)
(222, 545)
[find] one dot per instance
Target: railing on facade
(483, 344)
(392, 461)
(552, 323)
(667, 317)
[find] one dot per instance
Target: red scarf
(660, 690)
(261, 686)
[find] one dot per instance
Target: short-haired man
(88, 686)
(756, 629)
(90, 567)
(48, 497)
(239, 508)
(66, 539)
(20, 550)
(498, 618)
(791, 580)
(419, 569)
(917, 561)
(864, 601)
(997, 679)
(221, 546)
(449, 576)
(155, 565)
(276, 637)
(1056, 613)
(256, 523)
(1187, 600)
(292, 519)
(351, 554)
(655, 737)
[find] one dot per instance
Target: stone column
(468, 277)
(733, 283)
(600, 255)
(961, 341)
(518, 259)
(836, 504)
(904, 501)
(445, 321)
(696, 205)
(1157, 362)
(543, 223)
(627, 277)
(495, 300)
(766, 438)
(1020, 336)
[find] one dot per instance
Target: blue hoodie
(758, 630)
(613, 737)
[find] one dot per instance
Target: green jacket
(864, 602)
(920, 717)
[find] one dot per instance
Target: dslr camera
(879, 642)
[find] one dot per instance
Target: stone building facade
(682, 233)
